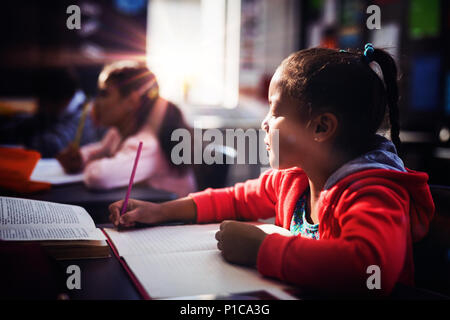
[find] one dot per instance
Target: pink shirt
(108, 164)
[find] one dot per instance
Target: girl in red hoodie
(339, 187)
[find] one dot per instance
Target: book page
(50, 170)
(195, 273)
(24, 219)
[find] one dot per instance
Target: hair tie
(368, 52)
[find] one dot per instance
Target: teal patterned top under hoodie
(299, 224)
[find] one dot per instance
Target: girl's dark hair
(343, 83)
(133, 76)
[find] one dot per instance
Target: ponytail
(173, 119)
(389, 69)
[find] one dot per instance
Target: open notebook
(65, 231)
(177, 261)
(49, 170)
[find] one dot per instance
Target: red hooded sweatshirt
(370, 212)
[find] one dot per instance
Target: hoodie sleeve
(252, 200)
(374, 230)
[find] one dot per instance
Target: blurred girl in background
(129, 104)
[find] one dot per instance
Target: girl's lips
(267, 146)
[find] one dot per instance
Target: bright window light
(193, 48)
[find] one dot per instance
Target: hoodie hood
(383, 156)
(383, 163)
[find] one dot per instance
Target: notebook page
(49, 170)
(195, 273)
(278, 294)
(24, 219)
(166, 239)
(271, 228)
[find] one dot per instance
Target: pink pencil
(125, 203)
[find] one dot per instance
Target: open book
(177, 261)
(65, 231)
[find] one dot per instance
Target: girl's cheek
(276, 127)
(94, 115)
(274, 124)
(291, 139)
(287, 137)
(273, 131)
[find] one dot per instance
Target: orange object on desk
(16, 167)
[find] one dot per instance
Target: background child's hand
(239, 242)
(137, 211)
(70, 159)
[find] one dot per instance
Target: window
(193, 48)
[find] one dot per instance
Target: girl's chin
(274, 161)
(276, 164)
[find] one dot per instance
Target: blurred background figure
(60, 103)
(128, 103)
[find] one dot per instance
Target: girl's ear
(134, 99)
(325, 127)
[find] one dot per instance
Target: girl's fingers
(129, 217)
(223, 224)
(114, 210)
(129, 225)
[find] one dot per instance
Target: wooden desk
(101, 279)
(105, 279)
(28, 273)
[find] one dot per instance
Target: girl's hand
(239, 242)
(137, 211)
(70, 159)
